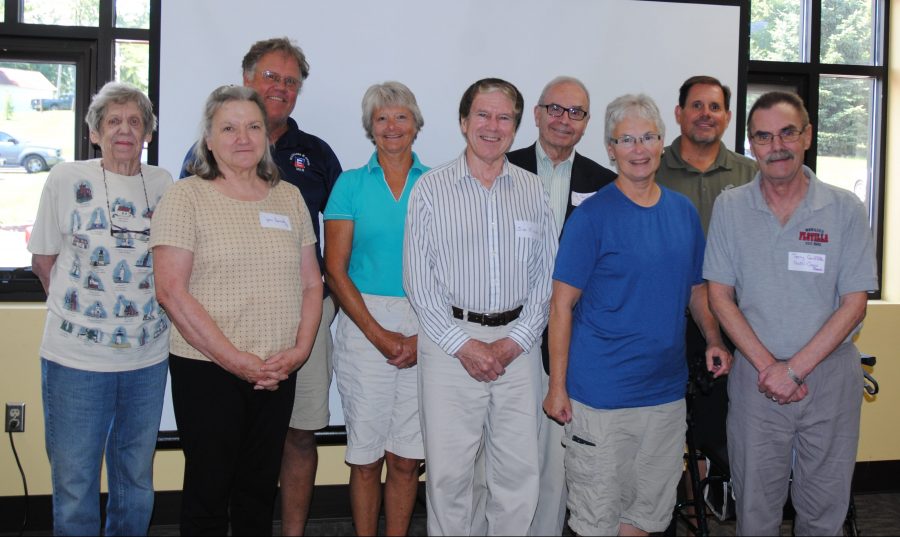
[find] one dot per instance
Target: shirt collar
(674, 160)
(542, 156)
(462, 169)
(373, 163)
(290, 136)
(817, 197)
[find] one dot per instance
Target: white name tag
(274, 221)
(527, 230)
(579, 197)
(804, 262)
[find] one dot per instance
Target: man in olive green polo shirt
(698, 164)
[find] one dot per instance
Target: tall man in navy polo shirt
(276, 69)
(789, 260)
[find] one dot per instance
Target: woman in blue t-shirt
(629, 264)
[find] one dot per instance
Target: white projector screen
(438, 49)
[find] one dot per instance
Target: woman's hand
(279, 366)
(395, 347)
(249, 367)
(407, 356)
(558, 406)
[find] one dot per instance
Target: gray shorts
(314, 378)
(623, 466)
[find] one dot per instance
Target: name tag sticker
(527, 230)
(579, 197)
(805, 262)
(274, 221)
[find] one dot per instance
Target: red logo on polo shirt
(814, 236)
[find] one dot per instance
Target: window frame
(806, 75)
(92, 48)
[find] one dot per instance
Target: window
(54, 55)
(832, 53)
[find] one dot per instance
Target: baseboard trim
(333, 501)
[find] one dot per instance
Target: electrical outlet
(15, 418)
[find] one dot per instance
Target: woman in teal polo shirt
(375, 343)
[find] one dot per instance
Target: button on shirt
(730, 170)
(482, 250)
(556, 180)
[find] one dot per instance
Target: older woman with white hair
(105, 343)
(238, 275)
(375, 342)
(628, 266)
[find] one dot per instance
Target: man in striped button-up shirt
(478, 254)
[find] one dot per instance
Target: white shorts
(380, 401)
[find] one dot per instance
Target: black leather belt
(488, 319)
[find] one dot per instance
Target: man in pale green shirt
(561, 115)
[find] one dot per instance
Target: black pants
(232, 436)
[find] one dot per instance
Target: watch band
(797, 380)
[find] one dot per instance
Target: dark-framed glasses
(628, 141)
(275, 78)
(557, 110)
(787, 135)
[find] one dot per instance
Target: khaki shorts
(623, 466)
(314, 378)
(380, 402)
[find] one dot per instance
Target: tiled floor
(877, 514)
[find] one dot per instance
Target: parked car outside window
(31, 156)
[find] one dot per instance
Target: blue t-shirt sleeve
(699, 247)
(188, 158)
(340, 202)
(578, 250)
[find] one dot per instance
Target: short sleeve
(174, 222)
(578, 250)
(307, 233)
(717, 262)
(340, 203)
(46, 234)
(858, 266)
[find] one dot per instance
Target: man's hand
(777, 385)
(558, 406)
(505, 351)
(477, 357)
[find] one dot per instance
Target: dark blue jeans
(85, 413)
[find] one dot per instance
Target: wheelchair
(707, 406)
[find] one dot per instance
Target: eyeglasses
(275, 78)
(787, 135)
(556, 110)
(120, 233)
(628, 141)
(125, 234)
